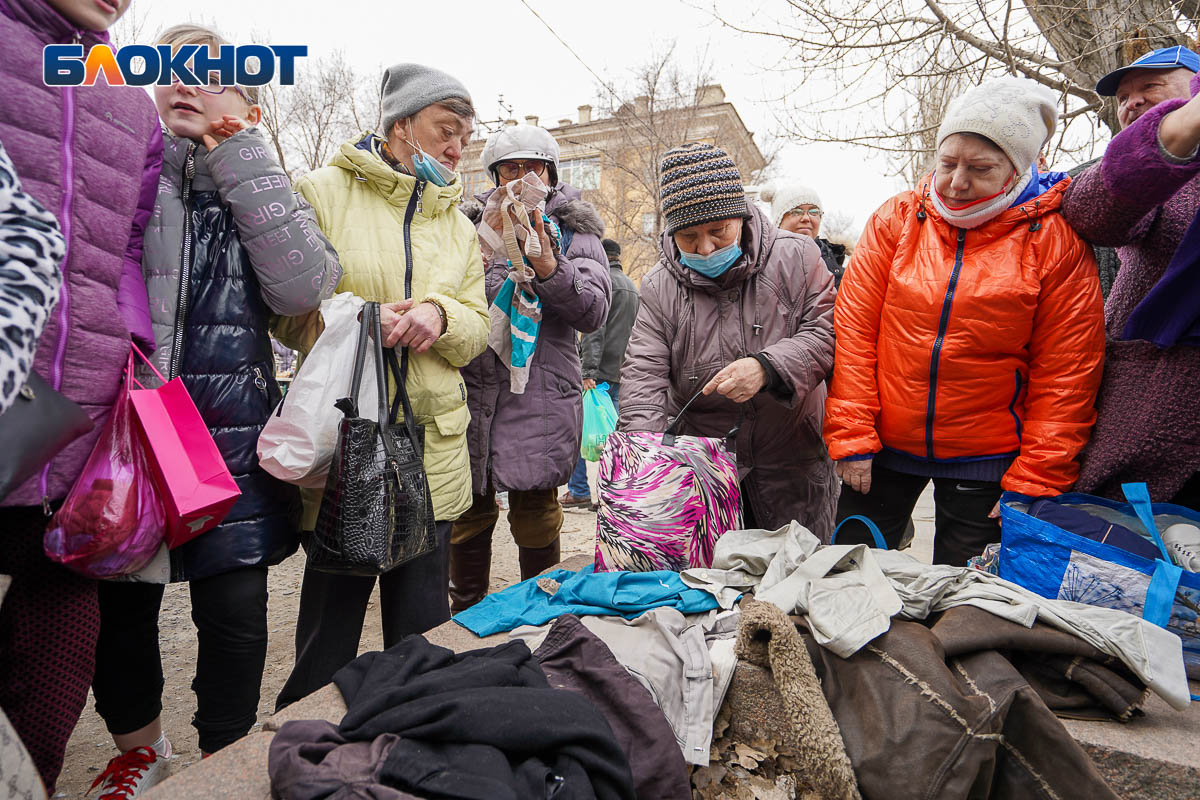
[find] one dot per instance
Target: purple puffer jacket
(1141, 201)
(92, 156)
(776, 300)
(531, 440)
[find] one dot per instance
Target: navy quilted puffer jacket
(230, 245)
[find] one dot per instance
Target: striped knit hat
(699, 184)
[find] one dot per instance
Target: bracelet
(441, 313)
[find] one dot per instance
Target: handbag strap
(371, 310)
(400, 371)
(672, 430)
(349, 405)
(400, 374)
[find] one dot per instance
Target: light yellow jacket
(360, 204)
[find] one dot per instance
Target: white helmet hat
(520, 142)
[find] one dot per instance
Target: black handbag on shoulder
(33, 430)
(377, 512)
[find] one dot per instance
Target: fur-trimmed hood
(566, 205)
(767, 638)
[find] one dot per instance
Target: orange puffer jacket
(954, 344)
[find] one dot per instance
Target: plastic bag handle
(1160, 595)
(876, 534)
(1139, 497)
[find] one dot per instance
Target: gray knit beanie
(699, 183)
(408, 88)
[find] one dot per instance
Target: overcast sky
(499, 47)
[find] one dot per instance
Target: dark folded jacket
(575, 659)
(481, 725)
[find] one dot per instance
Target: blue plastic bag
(1058, 564)
(599, 420)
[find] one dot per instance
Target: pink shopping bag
(196, 487)
(112, 520)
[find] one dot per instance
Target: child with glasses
(230, 246)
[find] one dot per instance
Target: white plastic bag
(298, 441)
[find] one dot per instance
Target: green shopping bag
(599, 420)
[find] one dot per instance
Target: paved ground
(90, 747)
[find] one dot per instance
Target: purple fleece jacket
(92, 156)
(1140, 199)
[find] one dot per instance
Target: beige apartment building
(614, 160)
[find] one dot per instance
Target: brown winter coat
(939, 711)
(776, 300)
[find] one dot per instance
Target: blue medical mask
(430, 169)
(427, 168)
(715, 263)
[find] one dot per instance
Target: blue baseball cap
(1163, 58)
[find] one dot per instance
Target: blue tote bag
(1058, 564)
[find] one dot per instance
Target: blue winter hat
(1162, 58)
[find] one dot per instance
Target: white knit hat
(786, 195)
(1017, 114)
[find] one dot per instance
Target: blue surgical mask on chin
(427, 168)
(715, 263)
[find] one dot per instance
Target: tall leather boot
(536, 560)
(470, 570)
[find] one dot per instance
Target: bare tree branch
(894, 64)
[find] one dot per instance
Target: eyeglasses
(511, 170)
(214, 86)
(800, 212)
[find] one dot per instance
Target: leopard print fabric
(31, 249)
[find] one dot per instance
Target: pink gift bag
(196, 487)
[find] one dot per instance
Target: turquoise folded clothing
(584, 593)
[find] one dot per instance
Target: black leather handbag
(377, 512)
(33, 430)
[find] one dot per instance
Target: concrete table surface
(1152, 757)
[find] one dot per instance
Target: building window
(582, 173)
(648, 220)
(475, 183)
